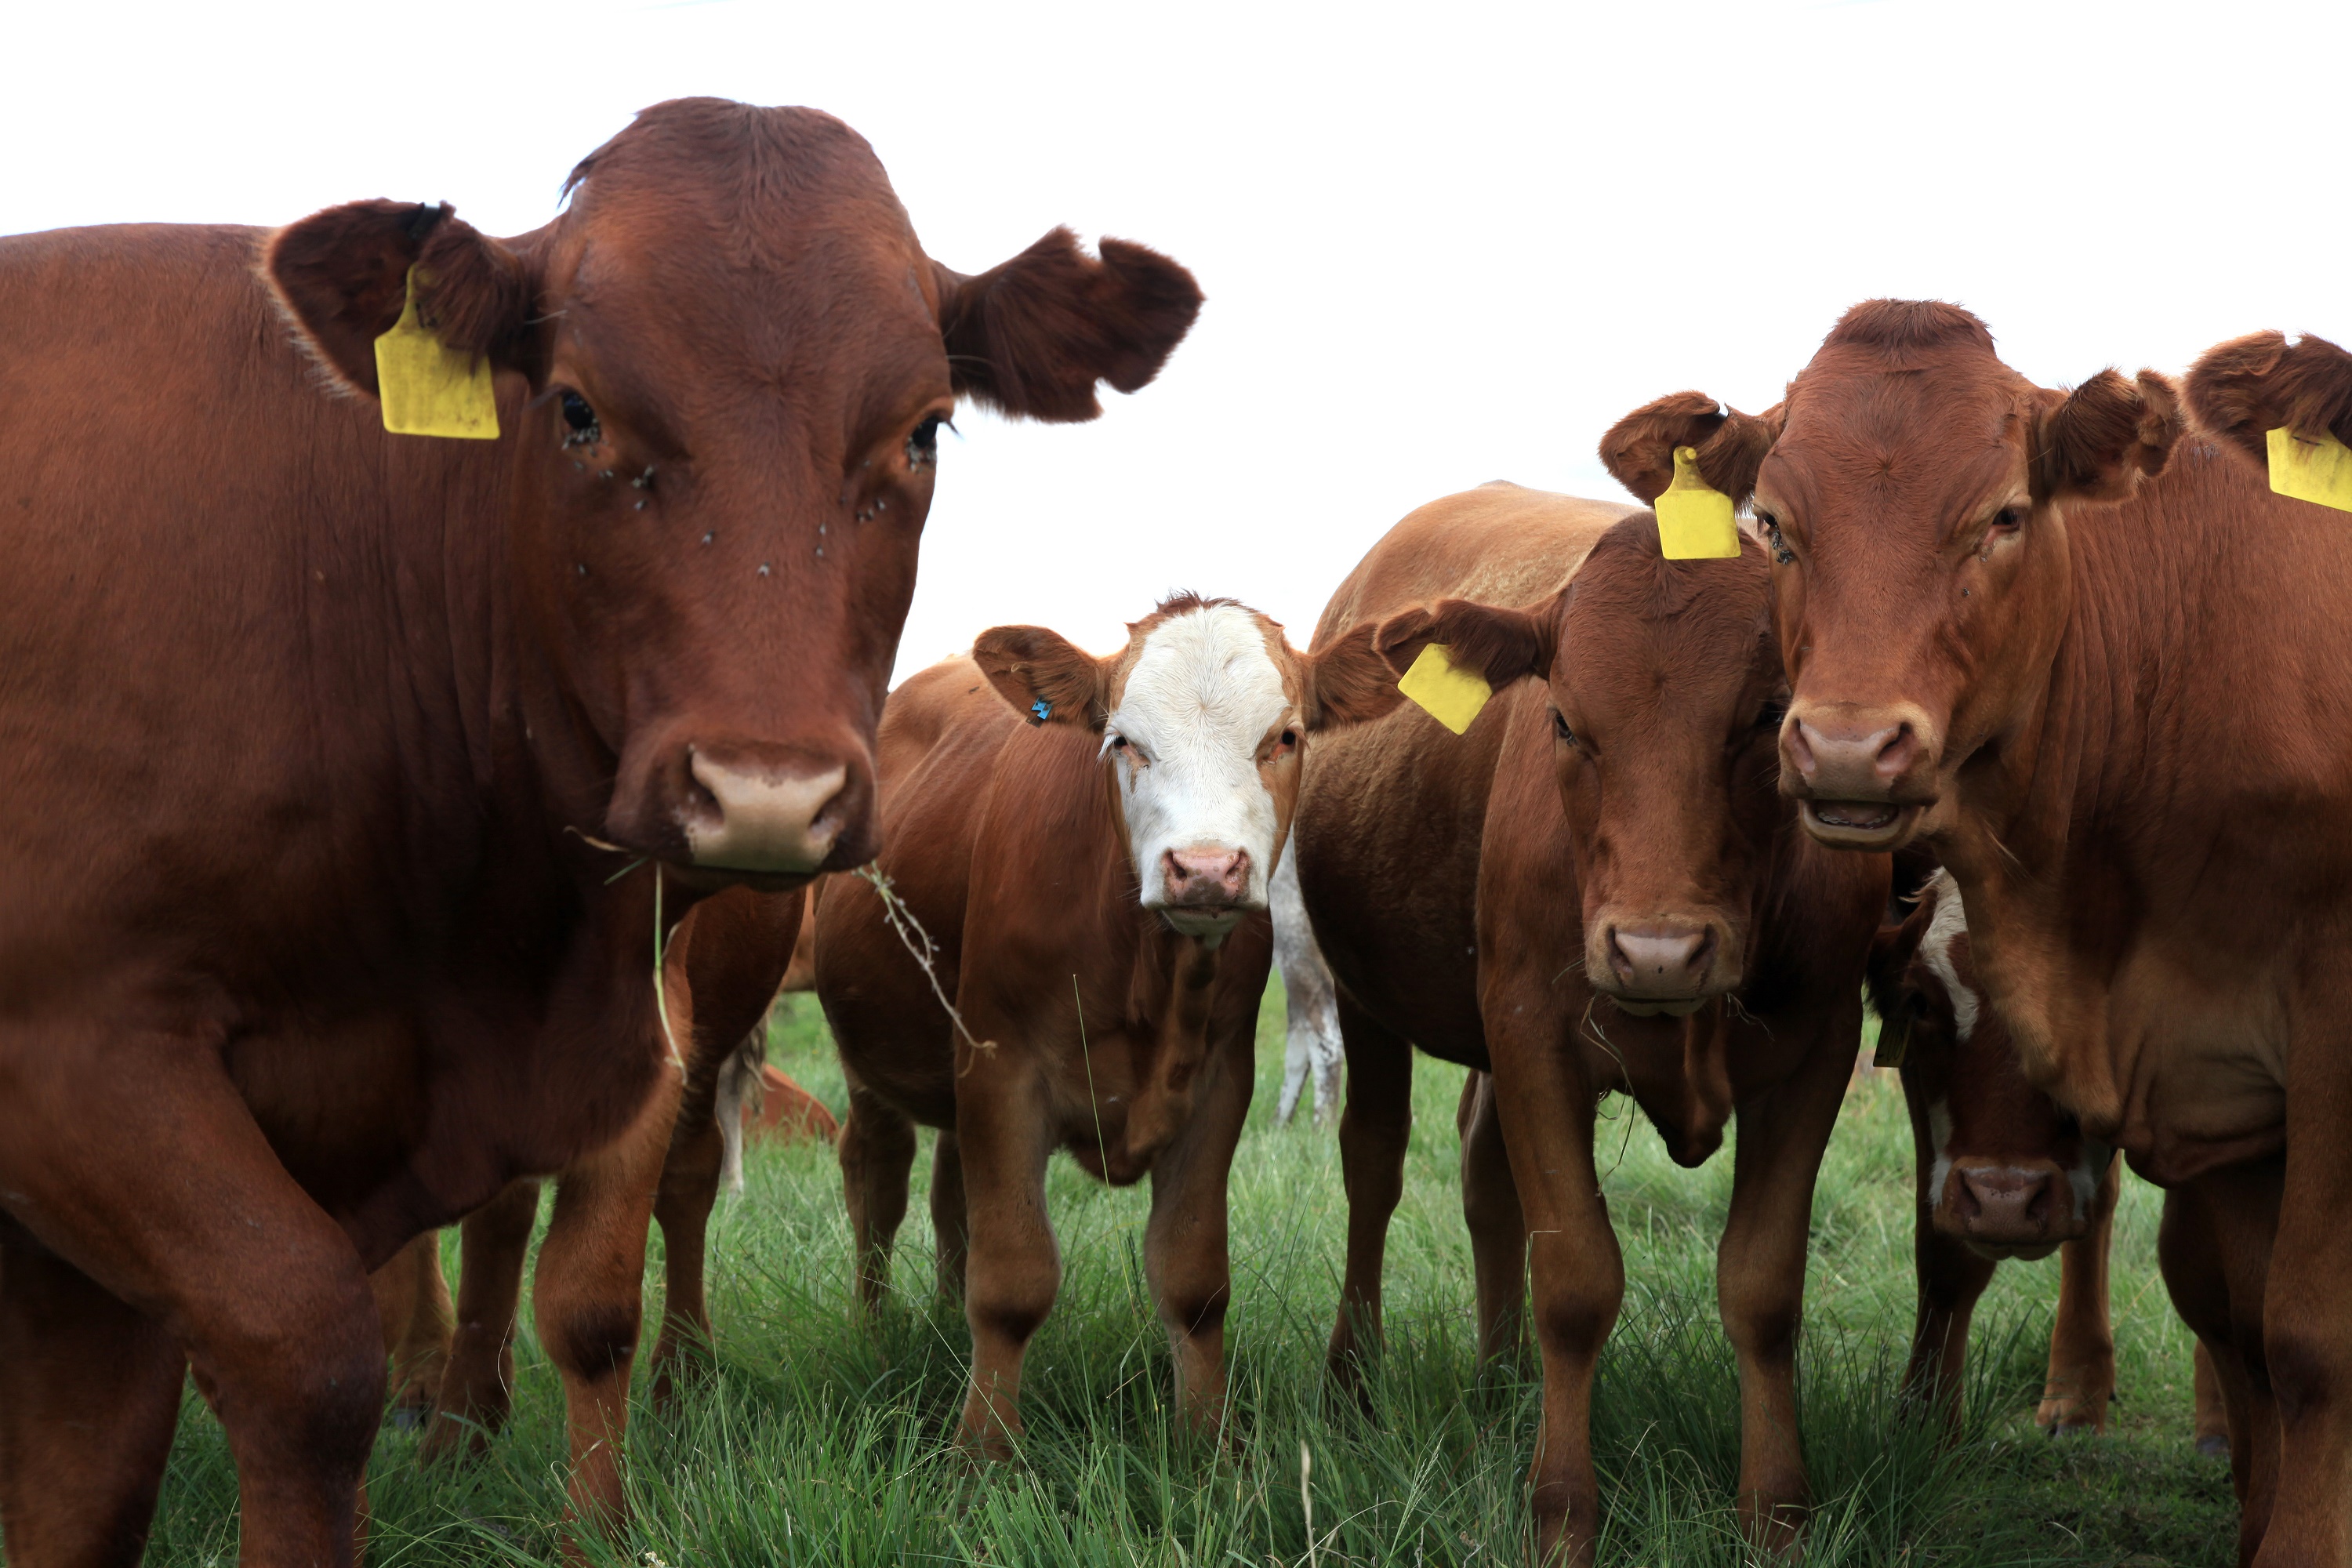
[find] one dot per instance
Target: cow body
(1564, 896)
(354, 778)
(1092, 888)
(2095, 666)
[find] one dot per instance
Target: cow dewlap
(1695, 520)
(2312, 467)
(428, 388)
(1452, 697)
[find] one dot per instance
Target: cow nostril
(1896, 752)
(1801, 747)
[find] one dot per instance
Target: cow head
(723, 370)
(2008, 1173)
(1202, 717)
(1665, 694)
(2240, 391)
(1914, 491)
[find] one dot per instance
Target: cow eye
(923, 444)
(2009, 518)
(581, 429)
(1560, 728)
(1781, 554)
(1775, 710)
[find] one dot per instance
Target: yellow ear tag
(1893, 1041)
(1452, 697)
(428, 388)
(2312, 467)
(1693, 520)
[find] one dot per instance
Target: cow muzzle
(1661, 964)
(1204, 890)
(1862, 776)
(2009, 1209)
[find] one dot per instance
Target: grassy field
(820, 1444)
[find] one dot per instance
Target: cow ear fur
(1031, 336)
(1639, 450)
(342, 277)
(1029, 665)
(1347, 683)
(2097, 442)
(2240, 391)
(1503, 645)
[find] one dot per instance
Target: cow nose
(2003, 1203)
(1844, 763)
(774, 821)
(1653, 963)
(1205, 876)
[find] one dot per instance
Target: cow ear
(1347, 683)
(1039, 672)
(1891, 952)
(1639, 450)
(2097, 441)
(1033, 335)
(1502, 645)
(342, 276)
(2240, 391)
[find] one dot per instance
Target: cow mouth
(1204, 919)
(2017, 1252)
(1651, 1007)
(1858, 824)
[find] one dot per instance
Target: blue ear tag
(1043, 708)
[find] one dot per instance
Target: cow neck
(2040, 813)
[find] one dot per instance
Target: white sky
(1440, 246)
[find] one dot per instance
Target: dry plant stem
(910, 933)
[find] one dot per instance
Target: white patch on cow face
(1949, 923)
(1939, 1138)
(1192, 719)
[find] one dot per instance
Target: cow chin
(1207, 923)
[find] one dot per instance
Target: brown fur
(326, 738)
(1467, 891)
(1639, 450)
(2119, 727)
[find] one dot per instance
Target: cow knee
(590, 1339)
(304, 1371)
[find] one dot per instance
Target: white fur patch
(1198, 703)
(1940, 1134)
(1947, 924)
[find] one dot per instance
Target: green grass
(818, 1443)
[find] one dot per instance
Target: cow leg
(1577, 1275)
(951, 1225)
(174, 1205)
(876, 1150)
(2212, 1429)
(588, 1295)
(1499, 1231)
(413, 1297)
(478, 1385)
(2213, 1247)
(2306, 1329)
(1185, 1257)
(688, 1190)
(2082, 1341)
(1760, 1281)
(1373, 1132)
(89, 1396)
(1004, 1133)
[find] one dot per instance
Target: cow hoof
(2214, 1445)
(409, 1417)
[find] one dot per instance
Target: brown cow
(2002, 1172)
(351, 776)
(1596, 888)
(1094, 883)
(2120, 728)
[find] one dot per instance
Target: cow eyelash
(582, 427)
(1560, 729)
(1781, 554)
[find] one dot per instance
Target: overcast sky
(1438, 249)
